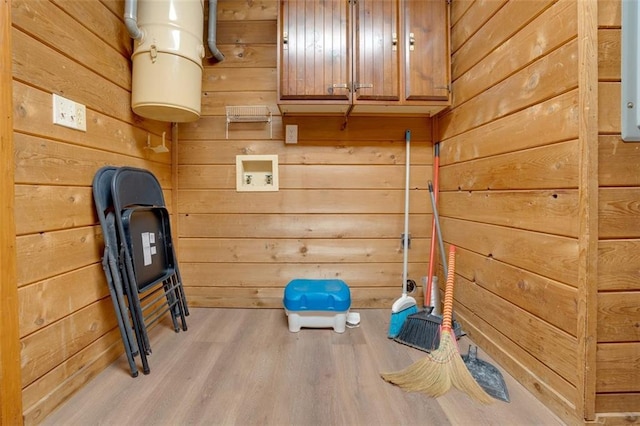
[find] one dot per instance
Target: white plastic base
(317, 319)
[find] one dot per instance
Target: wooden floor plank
(243, 367)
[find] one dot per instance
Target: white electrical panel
(630, 87)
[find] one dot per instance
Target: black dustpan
(487, 376)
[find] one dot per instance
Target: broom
(405, 305)
(422, 329)
(434, 198)
(434, 374)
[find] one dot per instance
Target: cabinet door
(376, 59)
(427, 50)
(314, 50)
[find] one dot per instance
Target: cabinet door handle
(363, 86)
(285, 40)
(412, 41)
(337, 86)
(394, 42)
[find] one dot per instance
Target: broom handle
(436, 217)
(405, 238)
(447, 312)
(436, 179)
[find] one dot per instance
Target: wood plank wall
(511, 184)
(79, 50)
(509, 187)
(10, 384)
(339, 210)
(618, 355)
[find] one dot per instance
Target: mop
(405, 305)
(440, 369)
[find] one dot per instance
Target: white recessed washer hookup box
(257, 173)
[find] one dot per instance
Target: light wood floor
(243, 367)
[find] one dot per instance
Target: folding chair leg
(123, 311)
(181, 295)
(182, 302)
(138, 322)
(124, 329)
(174, 309)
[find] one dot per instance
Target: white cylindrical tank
(167, 60)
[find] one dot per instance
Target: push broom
(440, 369)
(405, 305)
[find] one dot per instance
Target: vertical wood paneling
(375, 62)
(588, 206)
(427, 74)
(314, 58)
(10, 374)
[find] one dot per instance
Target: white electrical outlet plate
(68, 113)
(291, 133)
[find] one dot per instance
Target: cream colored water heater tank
(167, 60)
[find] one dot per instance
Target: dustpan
(488, 377)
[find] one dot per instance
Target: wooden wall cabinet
(363, 57)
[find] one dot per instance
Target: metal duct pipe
(211, 39)
(131, 19)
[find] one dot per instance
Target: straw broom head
(439, 370)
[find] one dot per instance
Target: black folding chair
(110, 261)
(147, 252)
(138, 235)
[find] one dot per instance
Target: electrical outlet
(81, 117)
(68, 113)
(291, 133)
